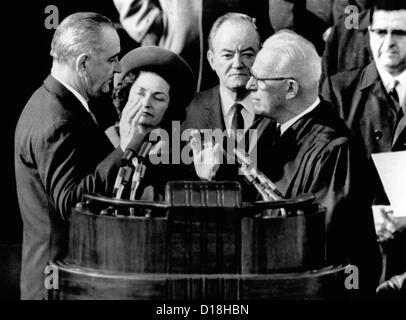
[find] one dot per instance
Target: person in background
(233, 44)
(182, 26)
(155, 85)
(347, 42)
(372, 101)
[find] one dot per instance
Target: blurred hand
(393, 287)
(385, 224)
(206, 156)
(129, 127)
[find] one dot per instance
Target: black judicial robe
(319, 155)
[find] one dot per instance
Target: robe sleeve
(343, 186)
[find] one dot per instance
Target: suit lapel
(399, 138)
(71, 103)
(213, 111)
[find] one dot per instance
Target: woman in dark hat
(158, 66)
(153, 90)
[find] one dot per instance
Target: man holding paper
(372, 101)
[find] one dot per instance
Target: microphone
(126, 177)
(144, 151)
(132, 146)
(127, 168)
(140, 168)
(257, 178)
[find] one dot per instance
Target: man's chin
(391, 65)
(238, 85)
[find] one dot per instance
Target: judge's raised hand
(130, 129)
(207, 156)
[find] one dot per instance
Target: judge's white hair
(294, 56)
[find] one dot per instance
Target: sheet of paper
(391, 167)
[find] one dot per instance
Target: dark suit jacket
(204, 112)
(362, 101)
(60, 154)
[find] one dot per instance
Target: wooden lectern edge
(261, 205)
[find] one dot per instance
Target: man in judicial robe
(312, 150)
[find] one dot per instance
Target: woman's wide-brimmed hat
(166, 64)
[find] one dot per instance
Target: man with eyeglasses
(372, 101)
(315, 152)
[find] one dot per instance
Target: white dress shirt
(388, 80)
(74, 92)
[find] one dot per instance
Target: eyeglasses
(257, 79)
(396, 33)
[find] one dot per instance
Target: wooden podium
(203, 242)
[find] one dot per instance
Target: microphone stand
(265, 187)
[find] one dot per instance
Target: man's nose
(251, 84)
(389, 40)
(237, 61)
(117, 67)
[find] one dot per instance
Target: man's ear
(81, 64)
(293, 89)
(210, 58)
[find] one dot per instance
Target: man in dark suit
(182, 26)
(314, 152)
(233, 44)
(372, 101)
(60, 150)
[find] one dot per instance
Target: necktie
(238, 120)
(400, 114)
(393, 92)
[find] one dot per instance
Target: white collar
(388, 79)
(74, 92)
(285, 126)
(227, 102)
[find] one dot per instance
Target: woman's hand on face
(129, 123)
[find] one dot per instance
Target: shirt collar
(227, 102)
(285, 126)
(74, 92)
(388, 79)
